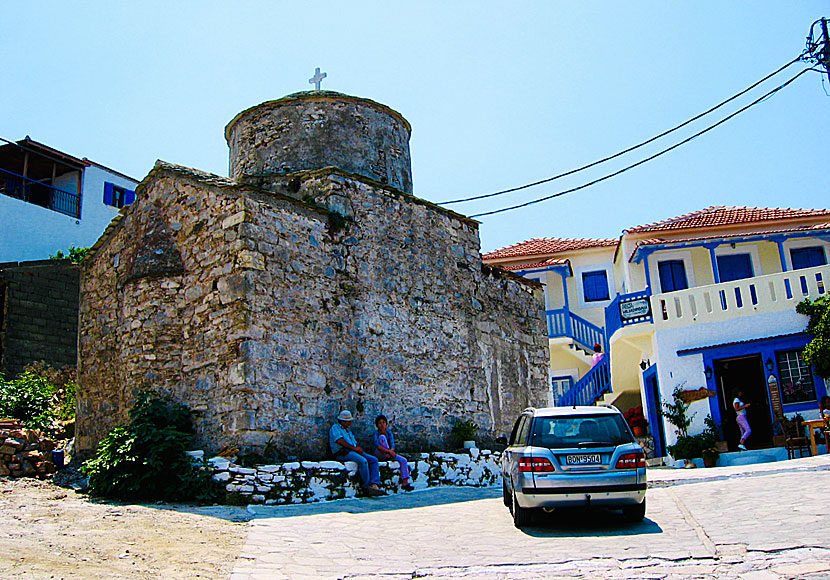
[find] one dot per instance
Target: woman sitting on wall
(385, 450)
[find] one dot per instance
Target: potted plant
(464, 433)
(710, 456)
(636, 420)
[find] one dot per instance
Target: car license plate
(583, 459)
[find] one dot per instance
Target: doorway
(747, 374)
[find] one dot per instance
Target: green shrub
(145, 459)
(75, 255)
(40, 397)
(464, 431)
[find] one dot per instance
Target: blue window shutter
(129, 196)
(808, 257)
(108, 193)
(595, 286)
(672, 275)
(734, 267)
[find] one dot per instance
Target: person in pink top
(597, 356)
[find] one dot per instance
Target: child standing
(743, 423)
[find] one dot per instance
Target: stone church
(308, 281)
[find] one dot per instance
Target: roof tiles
(544, 246)
(721, 215)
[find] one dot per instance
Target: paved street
(759, 522)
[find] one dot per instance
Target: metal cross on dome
(317, 79)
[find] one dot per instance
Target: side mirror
(501, 440)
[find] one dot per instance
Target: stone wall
(268, 302)
(40, 317)
(268, 311)
(313, 481)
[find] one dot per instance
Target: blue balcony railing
(562, 322)
(38, 193)
(587, 390)
(628, 309)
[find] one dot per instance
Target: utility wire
(663, 134)
(658, 154)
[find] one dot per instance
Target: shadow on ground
(422, 498)
(587, 523)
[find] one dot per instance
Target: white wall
(674, 370)
(31, 232)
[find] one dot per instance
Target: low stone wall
(313, 481)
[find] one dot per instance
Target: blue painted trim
(652, 410)
(648, 274)
(559, 268)
(714, 260)
(565, 291)
(767, 349)
(823, 234)
(782, 255)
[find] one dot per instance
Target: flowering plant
(634, 417)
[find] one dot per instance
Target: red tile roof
(545, 246)
(721, 215)
(545, 264)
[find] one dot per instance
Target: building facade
(702, 301)
(51, 201)
(309, 281)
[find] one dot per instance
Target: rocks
(24, 453)
(310, 481)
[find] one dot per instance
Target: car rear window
(580, 431)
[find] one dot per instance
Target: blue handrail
(38, 193)
(587, 390)
(562, 322)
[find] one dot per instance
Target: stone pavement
(757, 522)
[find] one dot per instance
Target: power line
(663, 134)
(647, 159)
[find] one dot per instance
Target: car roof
(577, 410)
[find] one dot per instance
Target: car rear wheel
(506, 495)
(635, 513)
(521, 516)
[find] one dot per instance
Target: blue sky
(498, 94)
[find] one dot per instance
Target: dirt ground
(49, 531)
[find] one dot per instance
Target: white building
(701, 302)
(52, 201)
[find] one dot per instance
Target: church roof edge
(318, 96)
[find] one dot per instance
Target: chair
(794, 440)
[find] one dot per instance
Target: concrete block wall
(40, 316)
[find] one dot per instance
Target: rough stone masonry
(311, 280)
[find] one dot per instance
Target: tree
(817, 351)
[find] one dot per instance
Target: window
(672, 275)
(734, 267)
(581, 431)
(595, 286)
(808, 257)
(560, 386)
(796, 378)
(117, 196)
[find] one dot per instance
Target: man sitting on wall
(345, 448)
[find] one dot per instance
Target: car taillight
(535, 464)
(632, 460)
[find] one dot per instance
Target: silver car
(571, 457)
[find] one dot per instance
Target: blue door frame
(652, 408)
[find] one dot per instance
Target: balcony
(747, 297)
(37, 193)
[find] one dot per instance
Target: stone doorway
(745, 373)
